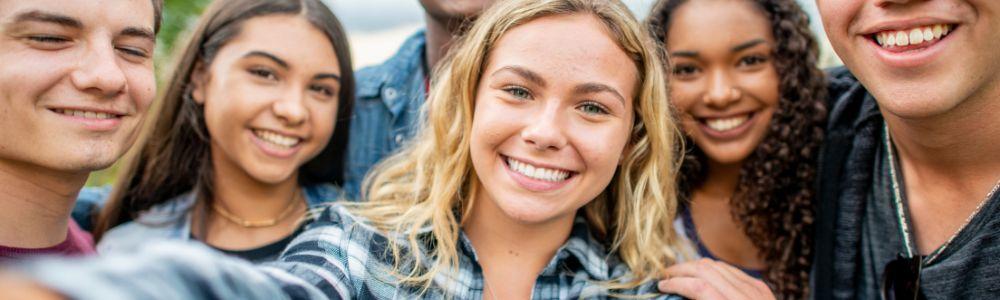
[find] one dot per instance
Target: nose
(290, 108)
(721, 90)
(545, 130)
(99, 73)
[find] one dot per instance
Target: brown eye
(752, 60)
(685, 70)
(263, 73)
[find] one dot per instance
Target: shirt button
(390, 93)
(399, 138)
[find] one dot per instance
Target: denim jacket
(172, 220)
(386, 110)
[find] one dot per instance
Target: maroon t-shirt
(78, 242)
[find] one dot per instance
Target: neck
(956, 150)
(512, 253)
(721, 182)
(35, 204)
(247, 198)
(439, 37)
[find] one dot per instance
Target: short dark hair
(157, 15)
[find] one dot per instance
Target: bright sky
(378, 27)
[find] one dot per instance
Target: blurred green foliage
(178, 17)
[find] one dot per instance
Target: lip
(731, 134)
(912, 57)
(897, 25)
(532, 184)
(272, 150)
(88, 123)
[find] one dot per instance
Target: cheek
(764, 88)
(684, 95)
(601, 148)
(142, 86)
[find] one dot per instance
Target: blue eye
(518, 92)
(593, 108)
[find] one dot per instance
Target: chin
(271, 176)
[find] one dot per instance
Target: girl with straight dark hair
(249, 134)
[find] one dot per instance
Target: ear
(199, 83)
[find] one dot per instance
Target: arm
(313, 267)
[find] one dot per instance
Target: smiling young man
(909, 175)
(76, 79)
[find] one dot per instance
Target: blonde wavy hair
(428, 186)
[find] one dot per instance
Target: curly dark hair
(774, 198)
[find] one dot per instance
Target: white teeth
(902, 39)
(538, 173)
(915, 36)
(85, 114)
(277, 139)
(727, 123)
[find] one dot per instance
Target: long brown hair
(773, 200)
(173, 157)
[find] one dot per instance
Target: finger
(751, 286)
(690, 287)
(704, 269)
(737, 286)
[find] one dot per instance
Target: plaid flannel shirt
(338, 257)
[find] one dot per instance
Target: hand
(709, 279)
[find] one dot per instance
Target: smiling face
(553, 114)
(918, 58)
(726, 86)
(270, 98)
(75, 82)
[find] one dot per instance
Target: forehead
(729, 22)
(567, 47)
(91, 14)
(291, 37)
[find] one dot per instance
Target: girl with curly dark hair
(752, 104)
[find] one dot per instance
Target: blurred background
(376, 28)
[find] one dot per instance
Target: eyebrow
(270, 56)
(747, 45)
(143, 33)
(523, 72)
(47, 17)
(737, 48)
(327, 75)
(591, 87)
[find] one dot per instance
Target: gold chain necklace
(258, 224)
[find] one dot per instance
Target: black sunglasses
(901, 278)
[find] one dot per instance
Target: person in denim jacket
(389, 96)
(252, 126)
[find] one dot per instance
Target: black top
(857, 225)
(262, 254)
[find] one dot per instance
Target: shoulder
(319, 194)
(371, 79)
(849, 102)
(169, 220)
